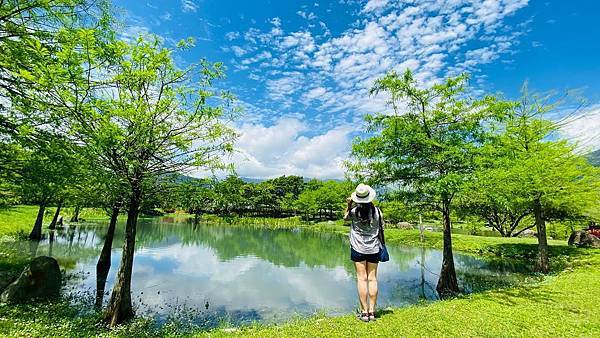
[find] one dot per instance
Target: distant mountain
(252, 180)
(305, 179)
(594, 157)
(180, 178)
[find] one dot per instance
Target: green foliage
(522, 162)
(286, 188)
(426, 146)
(11, 159)
(160, 120)
(34, 38)
(285, 193)
(27, 41)
(396, 211)
(196, 196)
(230, 193)
(328, 195)
(48, 170)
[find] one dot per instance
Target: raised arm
(348, 208)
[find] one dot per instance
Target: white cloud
(264, 55)
(584, 129)
(276, 21)
(432, 38)
(284, 147)
(166, 16)
(307, 16)
(283, 88)
(375, 5)
(238, 51)
(232, 35)
(315, 93)
(331, 74)
(132, 32)
(189, 6)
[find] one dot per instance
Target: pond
(216, 274)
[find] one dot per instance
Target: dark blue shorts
(356, 256)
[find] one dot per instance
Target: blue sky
(302, 69)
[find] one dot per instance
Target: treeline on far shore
(235, 197)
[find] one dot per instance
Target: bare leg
(372, 278)
(361, 283)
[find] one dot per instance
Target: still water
(240, 275)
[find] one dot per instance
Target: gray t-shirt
(364, 234)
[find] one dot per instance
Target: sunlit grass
(20, 218)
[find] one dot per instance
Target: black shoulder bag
(384, 256)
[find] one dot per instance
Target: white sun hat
(363, 194)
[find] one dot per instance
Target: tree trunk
(52, 225)
(447, 284)
(33, 246)
(421, 234)
(542, 264)
(103, 265)
(120, 308)
(75, 217)
(422, 295)
(51, 243)
(36, 232)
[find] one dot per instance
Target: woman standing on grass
(365, 245)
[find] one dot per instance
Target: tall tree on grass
(528, 169)
(148, 120)
(196, 196)
(31, 41)
(46, 173)
(426, 147)
(496, 198)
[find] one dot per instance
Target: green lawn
(20, 218)
(563, 304)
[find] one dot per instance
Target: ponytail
(363, 212)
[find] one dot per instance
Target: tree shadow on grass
(526, 253)
(384, 312)
(515, 296)
(13, 259)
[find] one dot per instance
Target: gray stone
(528, 233)
(404, 225)
(41, 279)
(582, 238)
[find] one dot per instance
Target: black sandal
(364, 316)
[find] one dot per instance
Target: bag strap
(382, 237)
